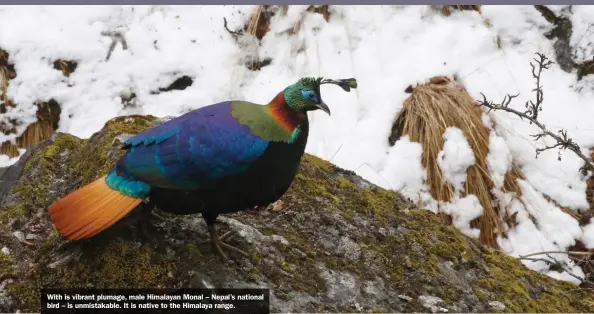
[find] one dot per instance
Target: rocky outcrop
(338, 244)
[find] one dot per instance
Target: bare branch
(555, 264)
(558, 252)
(236, 33)
(563, 141)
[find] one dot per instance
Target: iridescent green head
(305, 95)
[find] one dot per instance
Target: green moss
(480, 294)
(6, 267)
(256, 258)
(321, 164)
(523, 290)
(448, 295)
(26, 296)
(253, 274)
(193, 252)
(407, 259)
(341, 264)
(51, 161)
(116, 264)
(287, 267)
(62, 143)
(6, 214)
(308, 279)
(315, 186)
(283, 296)
(70, 157)
(379, 200)
(95, 159)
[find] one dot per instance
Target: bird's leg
(222, 238)
(145, 223)
(216, 241)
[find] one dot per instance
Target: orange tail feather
(90, 210)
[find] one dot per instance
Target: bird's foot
(219, 245)
(222, 238)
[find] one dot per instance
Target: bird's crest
(345, 84)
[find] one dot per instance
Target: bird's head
(305, 95)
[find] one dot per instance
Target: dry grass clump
(260, 22)
(590, 191)
(48, 117)
(259, 25)
(9, 149)
(321, 9)
(447, 10)
(7, 73)
(430, 109)
(48, 113)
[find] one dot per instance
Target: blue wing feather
(192, 151)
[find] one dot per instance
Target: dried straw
(447, 10)
(430, 109)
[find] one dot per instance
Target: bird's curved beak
(322, 106)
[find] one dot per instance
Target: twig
(27, 243)
(553, 263)
(557, 252)
(329, 160)
(234, 33)
(563, 141)
(566, 269)
(370, 167)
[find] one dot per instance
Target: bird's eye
(309, 95)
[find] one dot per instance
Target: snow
(5, 160)
(588, 236)
(405, 164)
(463, 211)
(455, 158)
(386, 48)
(499, 159)
(582, 39)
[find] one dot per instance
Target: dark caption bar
(157, 300)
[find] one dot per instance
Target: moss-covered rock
(339, 243)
